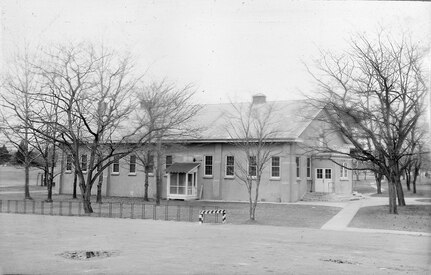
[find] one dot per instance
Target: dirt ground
(32, 244)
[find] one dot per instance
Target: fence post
(70, 208)
(51, 208)
(25, 207)
(100, 209)
(79, 208)
(42, 206)
(154, 211)
(216, 215)
(132, 209)
(121, 209)
(166, 211)
(60, 211)
(1, 206)
(34, 207)
(16, 206)
(110, 209)
(8, 206)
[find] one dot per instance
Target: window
(84, 163)
(308, 167)
(252, 166)
(132, 164)
(69, 163)
(343, 171)
(298, 167)
(319, 173)
(168, 162)
(328, 174)
(230, 166)
(208, 166)
(275, 167)
(151, 164)
(116, 166)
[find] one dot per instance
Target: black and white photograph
(215, 137)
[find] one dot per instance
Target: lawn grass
(415, 218)
(423, 189)
(291, 215)
(14, 176)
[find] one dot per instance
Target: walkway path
(340, 222)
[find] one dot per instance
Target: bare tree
(19, 84)
(170, 113)
(373, 95)
(98, 118)
(252, 129)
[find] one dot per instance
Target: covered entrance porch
(182, 181)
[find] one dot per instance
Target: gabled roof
(291, 118)
(182, 167)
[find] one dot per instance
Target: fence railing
(188, 213)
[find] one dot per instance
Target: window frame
(227, 165)
(132, 164)
(206, 165)
(308, 172)
(115, 163)
(344, 173)
(278, 166)
(298, 167)
(69, 160)
(168, 164)
(84, 170)
(151, 165)
(252, 162)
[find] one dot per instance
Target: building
(204, 167)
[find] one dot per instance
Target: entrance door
(323, 180)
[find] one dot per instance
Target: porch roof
(182, 167)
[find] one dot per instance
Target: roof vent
(259, 99)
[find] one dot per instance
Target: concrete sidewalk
(341, 221)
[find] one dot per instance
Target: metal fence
(166, 212)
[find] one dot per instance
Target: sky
(228, 50)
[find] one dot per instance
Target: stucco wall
(286, 188)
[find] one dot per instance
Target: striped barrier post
(219, 211)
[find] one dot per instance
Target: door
(323, 180)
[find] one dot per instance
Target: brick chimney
(259, 98)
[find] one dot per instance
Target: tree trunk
(86, 194)
(99, 188)
(99, 184)
(392, 197)
(27, 180)
(408, 178)
(378, 177)
(49, 187)
(400, 192)
(47, 182)
(75, 179)
(158, 174)
(256, 197)
(250, 200)
(146, 183)
(415, 176)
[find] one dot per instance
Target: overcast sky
(228, 49)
